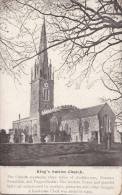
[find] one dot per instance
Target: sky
(15, 97)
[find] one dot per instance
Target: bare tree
(85, 32)
(89, 34)
(17, 40)
(112, 80)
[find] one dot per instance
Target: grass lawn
(99, 158)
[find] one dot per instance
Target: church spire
(43, 57)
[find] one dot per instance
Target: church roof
(83, 112)
(59, 108)
(90, 111)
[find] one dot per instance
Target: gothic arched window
(35, 129)
(53, 124)
(26, 132)
(86, 126)
(66, 127)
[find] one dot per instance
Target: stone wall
(34, 105)
(106, 126)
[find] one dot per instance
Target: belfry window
(40, 73)
(45, 76)
(46, 94)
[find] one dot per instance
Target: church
(66, 123)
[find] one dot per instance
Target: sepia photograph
(61, 83)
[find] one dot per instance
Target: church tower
(42, 80)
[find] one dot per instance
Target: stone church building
(60, 124)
